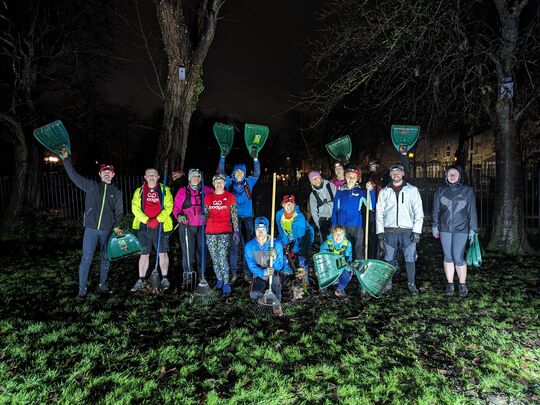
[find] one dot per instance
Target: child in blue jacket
(338, 243)
(257, 254)
(295, 233)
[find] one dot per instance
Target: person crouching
(257, 253)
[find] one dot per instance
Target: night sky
(253, 66)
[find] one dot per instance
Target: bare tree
(187, 30)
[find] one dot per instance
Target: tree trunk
(509, 233)
(25, 193)
(186, 41)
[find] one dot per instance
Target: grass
(160, 349)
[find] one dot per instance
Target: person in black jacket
(103, 211)
(454, 219)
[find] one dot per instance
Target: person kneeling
(257, 253)
(338, 243)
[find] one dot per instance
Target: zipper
(102, 205)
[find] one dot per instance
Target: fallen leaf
(2, 389)
(79, 377)
(442, 371)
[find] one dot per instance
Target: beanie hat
(313, 174)
(193, 173)
(262, 223)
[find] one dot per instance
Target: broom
(203, 294)
(155, 280)
(269, 302)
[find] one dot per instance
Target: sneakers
(138, 286)
(340, 293)
(226, 290)
(82, 293)
(463, 290)
(165, 284)
(449, 291)
(413, 289)
(219, 285)
(104, 289)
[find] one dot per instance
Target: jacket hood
(239, 166)
(459, 169)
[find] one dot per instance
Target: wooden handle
(272, 218)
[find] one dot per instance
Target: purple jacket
(194, 211)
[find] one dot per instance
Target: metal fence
(62, 198)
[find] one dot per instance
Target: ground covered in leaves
(149, 348)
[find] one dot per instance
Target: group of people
(224, 212)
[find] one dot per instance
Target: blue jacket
(238, 188)
(303, 233)
(257, 257)
(348, 203)
(344, 249)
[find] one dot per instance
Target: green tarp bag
(120, 247)
(225, 137)
(474, 254)
(373, 275)
(328, 267)
(54, 136)
(340, 149)
(404, 135)
(255, 137)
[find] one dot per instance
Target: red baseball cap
(104, 167)
(288, 198)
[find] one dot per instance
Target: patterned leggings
(219, 246)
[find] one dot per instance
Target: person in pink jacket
(188, 211)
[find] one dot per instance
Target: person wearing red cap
(347, 210)
(296, 235)
(103, 212)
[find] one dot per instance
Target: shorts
(148, 237)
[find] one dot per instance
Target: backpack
(318, 198)
(187, 201)
(246, 188)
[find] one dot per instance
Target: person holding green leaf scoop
(454, 220)
(103, 212)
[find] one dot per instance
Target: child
(337, 243)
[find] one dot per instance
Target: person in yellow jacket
(152, 205)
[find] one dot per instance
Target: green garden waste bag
(373, 275)
(328, 267)
(474, 254)
(123, 246)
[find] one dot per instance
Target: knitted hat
(262, 223)
(194, 173)
(313, 174)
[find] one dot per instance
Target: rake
(269, 303)
(203, 294)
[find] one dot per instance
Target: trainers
(165, 284)
(226, 290)
(388, 287)
(463, 290)
(219, 284)
(449, 291)
(82, 293)
(277, 311)
(104, 289)
(413, 289)
(138, 286)
(340, 293)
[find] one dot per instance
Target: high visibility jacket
(164, 216)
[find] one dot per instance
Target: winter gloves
(119, 232)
